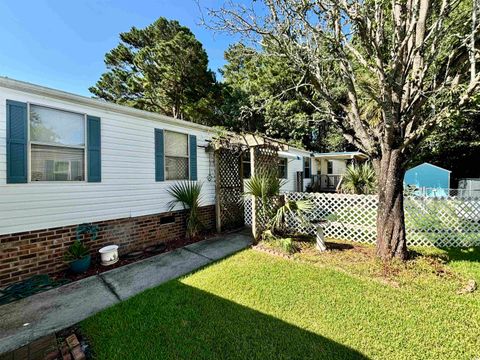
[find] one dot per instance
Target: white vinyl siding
(295, 165)
(128, 186)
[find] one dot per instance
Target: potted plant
(78, 257)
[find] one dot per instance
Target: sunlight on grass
(257, 306)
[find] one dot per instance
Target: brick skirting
(41, 252)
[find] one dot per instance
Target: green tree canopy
(405, 67)
(263, 92)
(162, 68)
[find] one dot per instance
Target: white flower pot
(109, 254)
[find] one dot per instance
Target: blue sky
(61, 44)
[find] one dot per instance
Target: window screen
(176, 156)
(51, 163)
(57, 145)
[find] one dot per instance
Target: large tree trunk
(391, 240)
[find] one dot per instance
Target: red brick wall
(41, 252)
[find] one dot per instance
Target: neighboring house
(296, 168)
(469, 187)
(331, 168)
(430, 179)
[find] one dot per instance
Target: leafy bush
(287, 245)
(76, 251)
(359, 179)
(188, 194)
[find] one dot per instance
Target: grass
(258, 306)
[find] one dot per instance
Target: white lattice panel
(441, 222)
(248, 211)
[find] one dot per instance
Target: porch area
(332, 167)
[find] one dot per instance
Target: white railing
(441, 222)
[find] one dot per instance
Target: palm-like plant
(266, 188)
(188, 194)
(298, 210)
(359, 179)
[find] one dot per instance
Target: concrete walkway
(23, 321)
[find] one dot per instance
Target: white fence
(440, 222)
(445, 193)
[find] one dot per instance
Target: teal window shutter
(193, 157)
(94, 144)
(17, 139)
(159, 156)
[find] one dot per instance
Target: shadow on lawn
(458, 254)
(177, 321)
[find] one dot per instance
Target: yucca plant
(272, 213)
(359, 179)
(188, 194)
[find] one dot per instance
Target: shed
(427, 175)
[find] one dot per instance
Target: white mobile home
(67, 160)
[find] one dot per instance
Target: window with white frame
(57, 144)
(282, 168)
(176, 156)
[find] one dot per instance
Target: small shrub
(359, 179)
(288, 245)
(76, 251)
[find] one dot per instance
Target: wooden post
(254, 198)
(218, 218)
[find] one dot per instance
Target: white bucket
(109, 254)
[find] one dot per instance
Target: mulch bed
(128, 258)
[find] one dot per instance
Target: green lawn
(257, 306)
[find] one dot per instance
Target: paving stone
(52, 355)
(72, 341)
(78, 354)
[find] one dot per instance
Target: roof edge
(23, 86)
(435, 166)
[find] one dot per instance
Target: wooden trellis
(265, 159)
(228, 150)
(229, 188)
